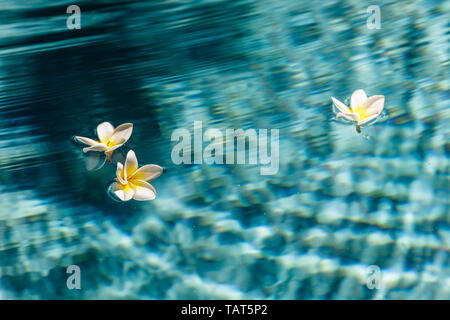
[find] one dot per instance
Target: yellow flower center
(361, 112)
(125, 187)
(108, 143)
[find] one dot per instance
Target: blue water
(340, 202)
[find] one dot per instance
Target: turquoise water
(340, 202)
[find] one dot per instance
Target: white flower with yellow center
(362, 110)
(132, 182)
(109, 138)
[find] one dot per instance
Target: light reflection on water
(339, 203)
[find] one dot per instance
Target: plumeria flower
(109, 139)
(132, 183)
(362, 110)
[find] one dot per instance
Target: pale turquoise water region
(340, 202)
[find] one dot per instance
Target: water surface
(341, 201)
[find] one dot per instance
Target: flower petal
(357, 99)
(131, 164)
(119, 173)
(123, 192)
(121, 134)
(148, 172)
(87, 141)
(143, 191)
(365, 120)
(96, 147)
(348, 116)
(374, 105)
(105, 131)
(342, 107)
(114, 147)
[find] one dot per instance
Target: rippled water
(341, 201)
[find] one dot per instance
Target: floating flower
(109, 138)
(131, 182)
(362, 110)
